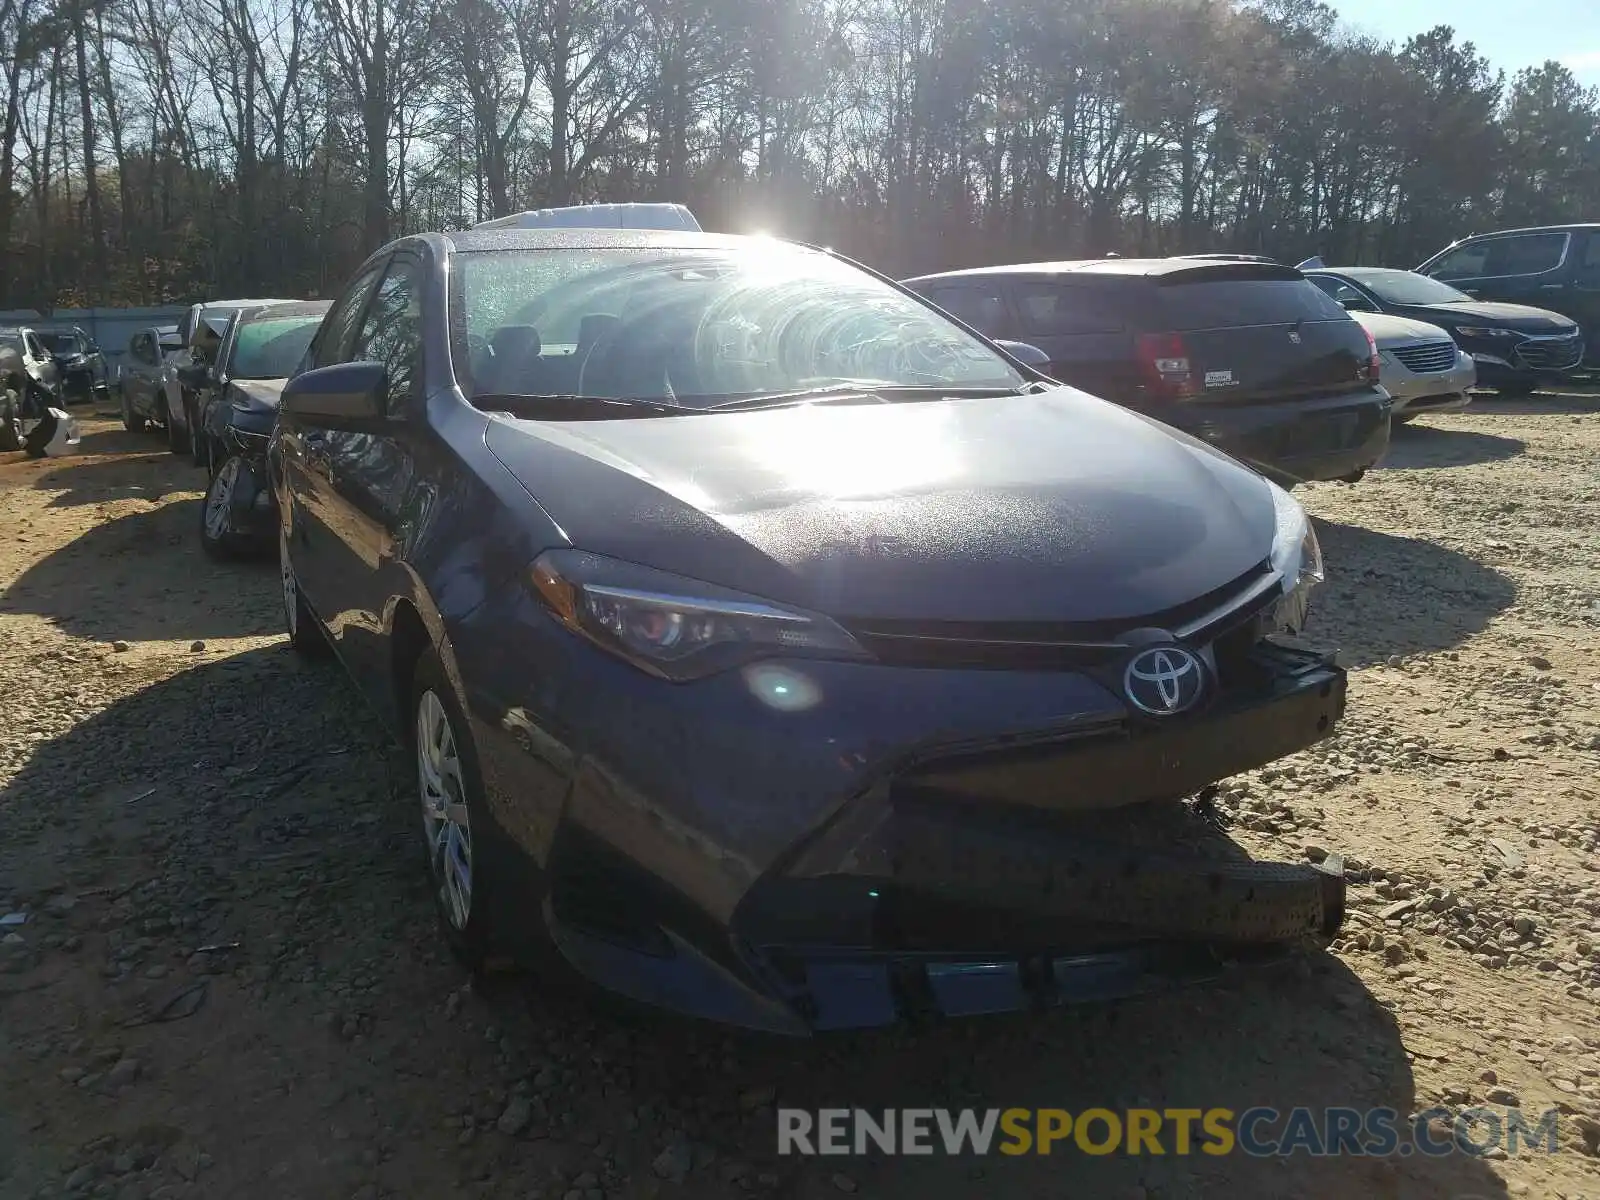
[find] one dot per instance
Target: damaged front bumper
(837, 869)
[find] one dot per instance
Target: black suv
(82, 366)
(1556, 267)
(1248, 356)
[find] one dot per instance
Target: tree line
(160, 151)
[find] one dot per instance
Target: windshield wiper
(551, 405)
(855, 391)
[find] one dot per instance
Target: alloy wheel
(219, 498)
(445, 820)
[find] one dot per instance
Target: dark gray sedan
(772, 648)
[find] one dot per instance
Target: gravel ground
(227, 984)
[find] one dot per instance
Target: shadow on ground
(113, 464)
(1562, 403)
(1420, 446)
(249, 803)
(144, 577)
(1387, 594)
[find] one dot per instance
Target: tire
(449, 781)
(132, 421)
(10, 420)
(306, 635)
(177, 439)
(217, 536)
(1515, 390)
(197, 439)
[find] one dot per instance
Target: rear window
(1230, 303)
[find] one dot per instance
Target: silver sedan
(1421, 367)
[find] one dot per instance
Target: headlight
(675, 627)
(1297, 557)
(1483, 331)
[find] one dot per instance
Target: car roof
(279, 312)
(1361, 272)
(589, 238)
(225, 305)
(631, 215)
(1139, 267)
(1575, 227)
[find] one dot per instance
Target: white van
(600, 216)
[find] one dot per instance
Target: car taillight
(1374, 364)
(1164, 363)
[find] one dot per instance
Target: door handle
(1551, 287)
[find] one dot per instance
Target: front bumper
(1433, 391)
(914, 841)
(1533, 360)
(1299, 440)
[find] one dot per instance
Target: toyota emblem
(1164, 680)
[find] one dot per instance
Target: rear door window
(1526, 254)
(1464, 262)
(1234, 303)
(1061, 309)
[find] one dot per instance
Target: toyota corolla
(775, 649)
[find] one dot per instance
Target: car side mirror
(1356, 304)
(344, 394)
(1024, 353)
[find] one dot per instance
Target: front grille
(1551, 353)
(1429, 358)
(1044, 646)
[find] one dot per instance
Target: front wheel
(177, 439)
(455, 827)
(132, 421)
(197, 439)
(10, 420)
(305, 632)
(217, 535)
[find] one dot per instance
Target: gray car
(1420, 366)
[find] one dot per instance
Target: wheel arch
(414, 626)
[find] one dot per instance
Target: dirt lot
(228, 985)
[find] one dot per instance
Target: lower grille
(1429, 358)
(1550, 353)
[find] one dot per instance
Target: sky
(1511, 37)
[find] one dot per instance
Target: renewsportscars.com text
(1257, 1132)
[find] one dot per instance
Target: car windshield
(1407, 287)
(696, 327)
(61, 343)
(271, 349)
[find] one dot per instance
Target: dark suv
(1556, 267)
(1248, 356)
(82, 365)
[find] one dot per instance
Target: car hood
(1046, 507)
(258, 394)
(1520, 317)
(1388, 330)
